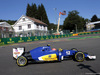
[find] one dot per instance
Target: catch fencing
(5, 34)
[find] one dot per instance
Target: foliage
(74, 20)
(29, 10)
(11, 22)
(42, 14)
(94, 18)
(34, 10)
(52, 26)
(37, 12)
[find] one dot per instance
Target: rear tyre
(79, 56)
(22, 61)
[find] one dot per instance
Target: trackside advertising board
(4, 41)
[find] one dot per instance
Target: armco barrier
(4, 41)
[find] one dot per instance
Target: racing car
(45, 53)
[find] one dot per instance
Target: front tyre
(21, 61)
(79, 56)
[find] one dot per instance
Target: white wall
(25, 23)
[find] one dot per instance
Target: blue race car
(45, 53)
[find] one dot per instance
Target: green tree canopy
(11, 22)
(44, 15)
(29, 10)
(52, 26)
(94, 18)
(37, 12)
(74, 20)
(34, 10)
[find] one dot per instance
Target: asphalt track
(69, 67)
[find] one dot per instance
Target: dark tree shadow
(87, 67)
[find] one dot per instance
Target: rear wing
(18, 52)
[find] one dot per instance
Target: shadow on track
(81, 66)
(44, 62)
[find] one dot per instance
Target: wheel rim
(79, 56)
(21, 61)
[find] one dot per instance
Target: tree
(29, 10)
(74, 20)
(34, 10)
(39, 13)
(42, 14)
(52, 26)
(94, 18)
(11, 22)
(45, 18)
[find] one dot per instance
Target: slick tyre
(22, 61)
(79, 56)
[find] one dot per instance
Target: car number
(68, 52)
